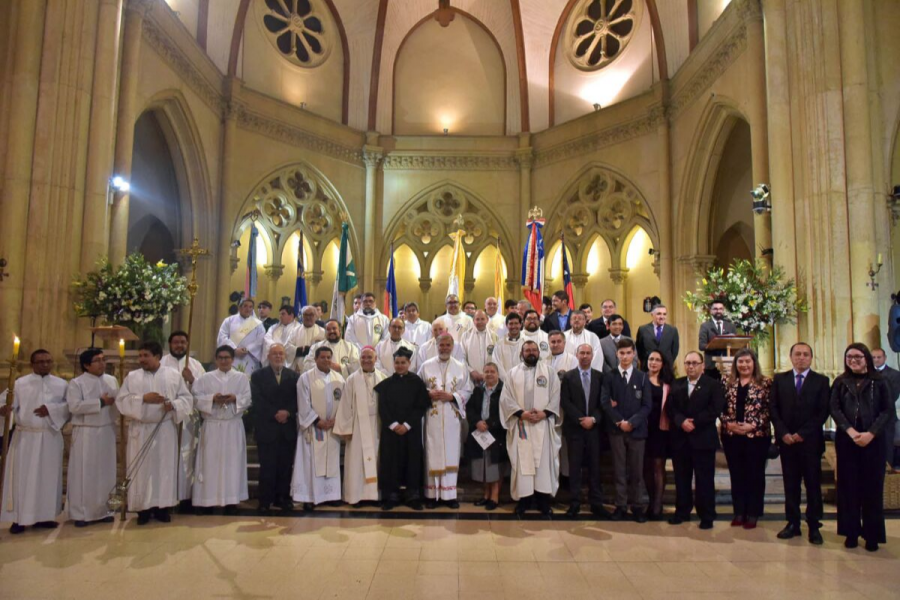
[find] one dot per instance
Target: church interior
(636, 129)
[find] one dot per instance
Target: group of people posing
(522, 394)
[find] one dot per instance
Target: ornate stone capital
(235, 261)
(424, 283)
(372, 156)
(274, 272)
(469, 285)
(314, 277)
(699, 263)
(580, 280)
(525, 158)
(618, 276)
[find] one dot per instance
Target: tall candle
(121, 348)
(16, 344)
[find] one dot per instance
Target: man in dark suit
(609, 344)
(710, 330)
(657, 335)
(579, 399)
(274, 394)
(695, 401)
(799, 408)
(600, 325)
(559, 319)
(892, 377)
(626, 400)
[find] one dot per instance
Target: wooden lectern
(730, 344)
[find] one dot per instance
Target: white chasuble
(533, 447)
(92, 458)
(429, 350)
(304, 337)
(539, 337)
(221, 468)
(573, 340)
(155, 479)
(443, 425)
(478, 347)
(317, 463)
(342, 352)
(384, 355)
(281, 334)
(457, 324)
(32, 486)
(366, 330)
(358, 417)
(248, 333)
(497, 323)
(508, 354)
(188, 428)
(418, 333)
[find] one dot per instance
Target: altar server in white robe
(357, 423)
(456, 322)
(317, 464)
(416, 330)
(367, 326)
(478, 345)
(281, 333)
(531, 331)
(429, 350)
(222, 396)
(449, 387)
(508, 352)
(529, 409)
(344, 355)
(384, 351)
(92, 459)
(579, 335)
(149, 395)
(246, 334)
(32, 486)
(305, 337)
(191, 370)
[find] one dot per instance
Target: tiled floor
(324, 557)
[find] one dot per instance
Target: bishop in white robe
(150, 396)
(416, 330)
(246, 334)
(384, 351)
(529, 409)
(32, 485)
(222, 396)
(317, 463)
(367, 326)
(357, 422)
(449, 387)
(455, 321)
(92, 458)
(344, 355)
(478, 345)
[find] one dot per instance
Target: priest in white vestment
(496, 321)
(222, 396)
(357, 422)
(281, 333)
(344, 355)
(579, 335)
(32, 485)
(449, 387)
(416, 330)
(305, 337)
(529, 409)
(429, 349)
(367, 326)
(191, 370)
(456, 322)
(508, 352)
(246, 334)
(384, 351)
(317, 463)
(531, 331)
(148, 396)
(92, 458)
(478, 345)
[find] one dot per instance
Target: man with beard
(529, 409)
(416, 331)
(367, 326)
(579, 335)
(246, 334)
(508, 352)
(429, 350)
(478, 345)
(717, 326)
(532, 332)
(386, 348)
(344, 355)
(456, 322)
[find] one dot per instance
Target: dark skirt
(657, 440)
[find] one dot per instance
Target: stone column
(425, 287)
(227, 260)
(697, 265)
(274, 273)
(525, 159)
(313, 279)
(372, 156)
(664, 265)
(618, 277)
(861, 194)
(135, 11)
(579, 281)
(95, 228)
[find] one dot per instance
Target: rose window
(599, 31)
(297, 30)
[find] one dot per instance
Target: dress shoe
(573, 511)
(851, 542)
(737, 522)
(815, 537)
(265, 509)
(109, 519)
(307, 507)
(481, 502)
(871, 546)
(676, 519)
(546, 511)
(618, 514)
(639, 516)
(415, 505)
(81, 523)
(231, 510)
(454, 504)
(46, 525)
(521, 508)
(143, 517)
(431, 504)
(490, 505)
(335, 503)
(750, 523)
(203, 510)
(162, 515)
(389, 505)
(599, 511)
(16, 529)
(286, 506)
(706, 524)
(790, 531)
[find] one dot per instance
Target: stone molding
(617, 134)
(449, 162)
(295, 136)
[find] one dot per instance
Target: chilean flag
(567, 275)
(390, 292)
(533, 264)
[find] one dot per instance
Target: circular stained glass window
(298, 30)
(598, 31)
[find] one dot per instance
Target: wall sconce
(597, 106)
(116, 183)
(303, 106)
(446, 131)
(3, 273)
(762, 200)
(873, 271)
(654, 252)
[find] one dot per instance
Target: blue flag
(300, 287)
(390, 292)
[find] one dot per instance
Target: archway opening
(731, 214)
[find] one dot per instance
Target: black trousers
(860, 488)
(400, 462)
(584, 451)
(276, 467)
(700, 465)
(747, 467)
(802, 463)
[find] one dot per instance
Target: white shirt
(626, 373)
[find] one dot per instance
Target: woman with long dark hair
(661, 376)
(746, 436)
(861, 407)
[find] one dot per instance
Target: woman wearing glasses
(861, 408)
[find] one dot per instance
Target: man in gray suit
(657, 335)
(715, 327)
(608, 344)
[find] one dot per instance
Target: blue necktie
(658, 333)
(799, 382)
(586, 384)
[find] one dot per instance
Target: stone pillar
(525, 159)
(313, 279)
(579, 281)
(697, 265)
(861, 194)
(372, 156)
(663, 263)
(135, 11)
(17, 170)
(274, 273)
(227, 259)
(425, 287)
(95, 236)
(618, 277)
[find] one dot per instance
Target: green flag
(346, 276)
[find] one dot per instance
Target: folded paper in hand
(484, 438)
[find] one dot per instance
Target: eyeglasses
(856, 357)
(692, 363)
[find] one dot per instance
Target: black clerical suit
(276, 442)
(402, 400)
(583, 445)
(694, 453)
(803, 414)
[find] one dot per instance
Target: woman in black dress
(483, 414)
(862, 409)
(656, 450)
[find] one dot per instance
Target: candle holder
(873, 271)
